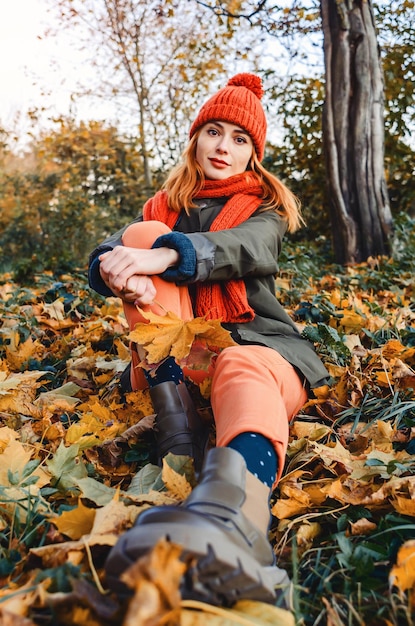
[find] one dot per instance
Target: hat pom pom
(250, 81)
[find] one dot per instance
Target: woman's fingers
(126, 271)
(117, 266)
(140, 290)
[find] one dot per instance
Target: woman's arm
(126, 271)
(94, 277)
(250, 249)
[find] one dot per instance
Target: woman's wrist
(172, 257)
(183, 263)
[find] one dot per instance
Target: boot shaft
(178, 426)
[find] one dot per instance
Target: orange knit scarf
(223, 300)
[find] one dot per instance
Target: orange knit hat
(238, 103)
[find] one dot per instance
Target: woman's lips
(218, 163)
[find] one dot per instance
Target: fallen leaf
(363, 526)
(115, 517)
(293, 501)
(402, 574)
(155, 580)
(66, 466)
(405, 506)
(311, 430)
(243, 613)
(331, 454)
(75, 523)
(18, 391)
(176, 483)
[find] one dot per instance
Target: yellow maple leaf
(322, 393)
(312, 430)
(351, 321)
(348, 491)
(392, 349)
(20, 355)
(330, 454)
(75, 523)
(17, 493)
(168, 335)
(292, 502)
(176, 483)
(315, 492)
(383, 378)
(405, 506)
(18, 391)
(14, 458)
(155, 579)
(93, 428)
(115, 517)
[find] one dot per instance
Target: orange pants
(254, 389)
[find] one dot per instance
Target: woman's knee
(230, 357)
(143, 234)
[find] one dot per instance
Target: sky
(38, 71)
(23, 55)
(34, 70)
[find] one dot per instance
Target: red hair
(187, 178)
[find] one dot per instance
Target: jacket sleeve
(250, 249)
(94, 277)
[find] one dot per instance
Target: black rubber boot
(230, 558)
(178, 427)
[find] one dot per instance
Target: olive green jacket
(249, 251)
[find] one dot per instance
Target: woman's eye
(213, 132)
(240, 140)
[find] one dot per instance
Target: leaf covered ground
(77, 465)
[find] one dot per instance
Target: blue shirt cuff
(95, 279)
(187, 262)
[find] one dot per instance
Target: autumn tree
(153, 59)
(353, 124)
(298, 112)
(75, 183)
(161, 61)
(396, 21)
(353, 132)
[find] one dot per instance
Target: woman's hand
(139, 290)
(126, 271)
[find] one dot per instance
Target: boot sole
(220, 572)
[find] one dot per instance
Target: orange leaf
(363, 526)
(402, 574)
(155, 579)
(293, 502)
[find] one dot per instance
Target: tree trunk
(353, 131)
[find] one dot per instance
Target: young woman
(207, 245)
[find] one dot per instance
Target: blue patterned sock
(168, 370)
(259, 454)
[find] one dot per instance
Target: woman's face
(223, 150)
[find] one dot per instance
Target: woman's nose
(222, 146)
